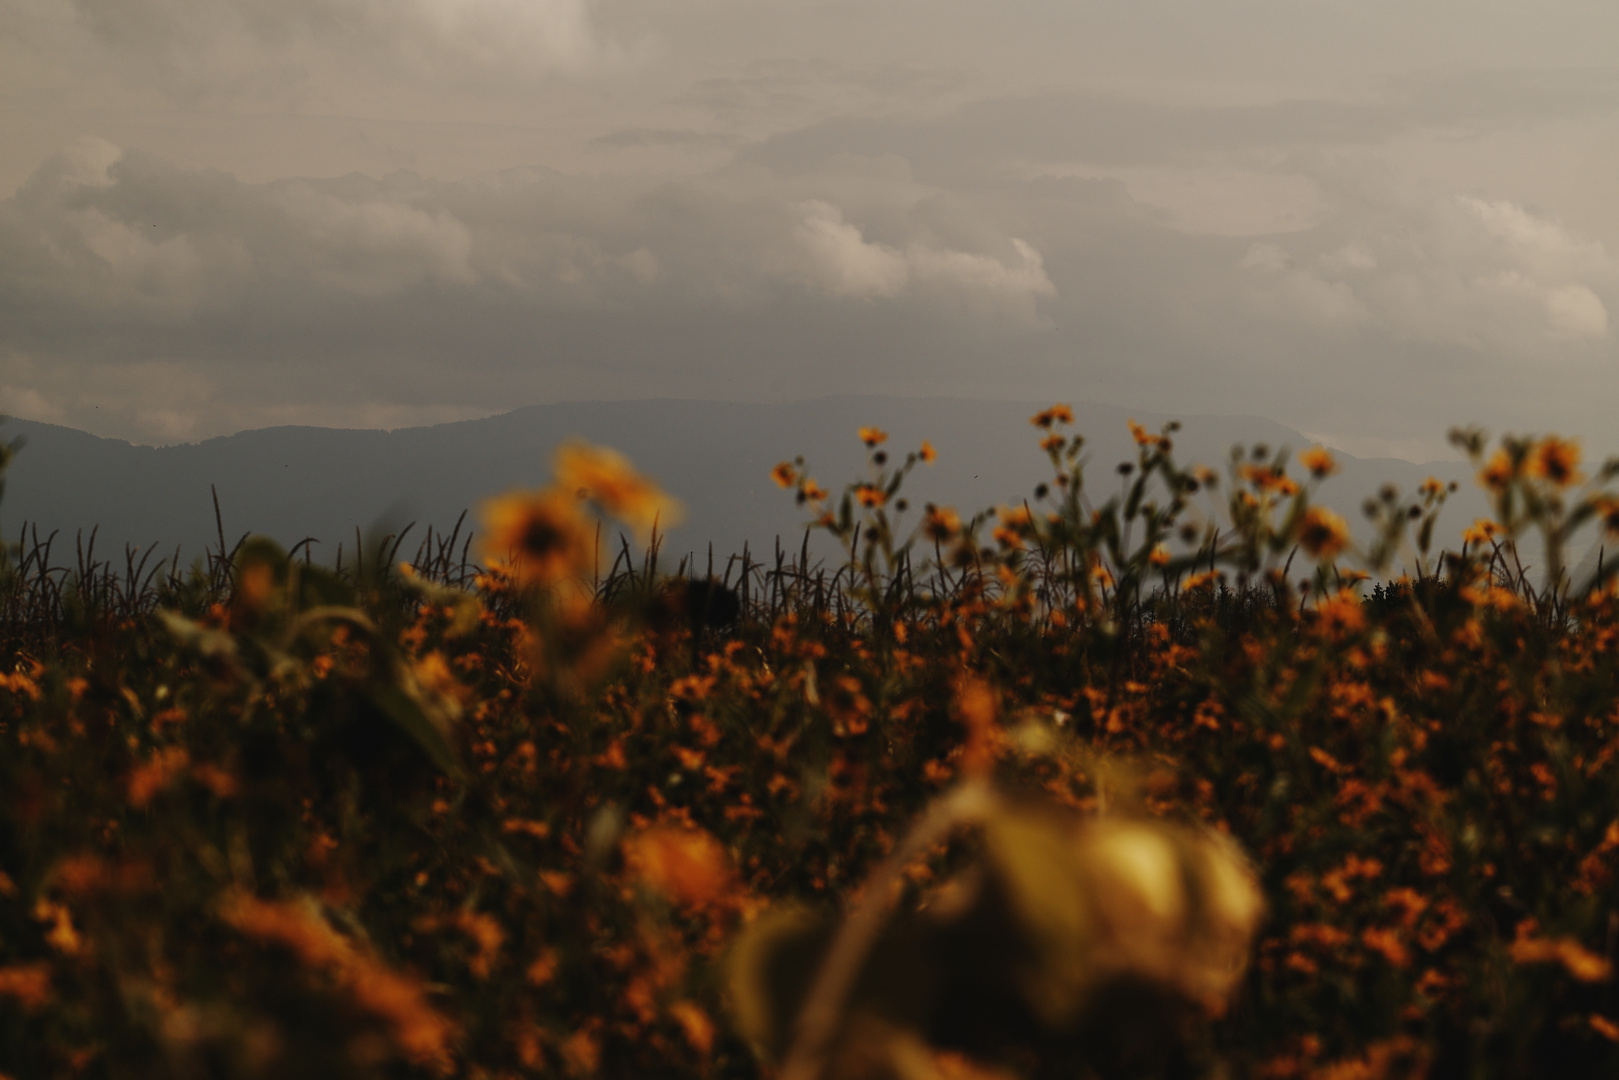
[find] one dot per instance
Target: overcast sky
(1369, 219)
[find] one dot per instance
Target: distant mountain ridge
(297, 482)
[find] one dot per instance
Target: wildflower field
(1154, 774)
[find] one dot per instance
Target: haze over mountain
(297, 482)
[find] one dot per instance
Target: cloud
(115, 261)
(300, 50)
(846, 264)
(1485, 274)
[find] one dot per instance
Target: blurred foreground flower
(688, 866)
(1028, 954)
(607, 478)
(542, 536)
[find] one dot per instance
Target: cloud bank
(760, 203)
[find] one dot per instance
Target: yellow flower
(1481, 531)
(1057, 414)
(784, 475)
(870, 495)
(1269, 478)
(542, 535)
(687, 865)
(1323, 533)
(1341, 614)
(1556, 461)
(940, 523)
(872, 436)
(607, 478)
(1319, 461)
(1608, 513)
(1497, 472)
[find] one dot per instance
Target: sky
(1368, 219)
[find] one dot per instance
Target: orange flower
(940, 523)
(1576, 959)
(152, 777)
(419, 1031)
(1607, 509)
(784, 475)
(1319, 461)
(977, 707)
(1057, 414)
(870, 495)
(812, 491)
(1557, 461)
(927, 453)
(1142, 436)
(1015, 523)
(542, 534)
(1482, 531)
(607, 478)
(1323, 533)
(872, 436)
(1341, 614)
(1498, 471)
(1159, 556)
(1269, 478)
(29, 984)
(686, 865)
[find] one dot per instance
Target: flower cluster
(1168, 776)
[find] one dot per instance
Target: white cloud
(846, 264)
(1488, 275)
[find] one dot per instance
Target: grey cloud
(297, 51)
(946, 254)
(644, 136)
(985, 137)
(444, 290)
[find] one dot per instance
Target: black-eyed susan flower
(1556, 461)
(1341, 614)
(873, 436)
(871, 496)
(927, 453)
(940, 523)
(1319, 461)
(1323, 533)
(1498, 471)
(543, 536)
(1057, 414)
